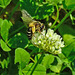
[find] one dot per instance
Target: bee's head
(37, 24)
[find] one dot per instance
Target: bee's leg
(39, 31)
(42, 27)
(33, 35)
(33, 29)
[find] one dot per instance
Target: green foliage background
(18, 56)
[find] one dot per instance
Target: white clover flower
(50, 41)
(49, 33)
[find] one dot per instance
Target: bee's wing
(26, 17)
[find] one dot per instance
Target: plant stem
(14, 10)
(56, 18)
(64, 19)
(37, 63)
(16, 30)
(10, 66)
(2, 11)
(32, 59)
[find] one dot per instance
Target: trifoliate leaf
(22, 57)
(4, 46)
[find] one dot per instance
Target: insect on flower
(33, 25)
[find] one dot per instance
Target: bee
(33, 25)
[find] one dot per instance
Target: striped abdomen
(29, 33)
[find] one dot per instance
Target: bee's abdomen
(29, 33)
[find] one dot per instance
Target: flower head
(50, 41)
